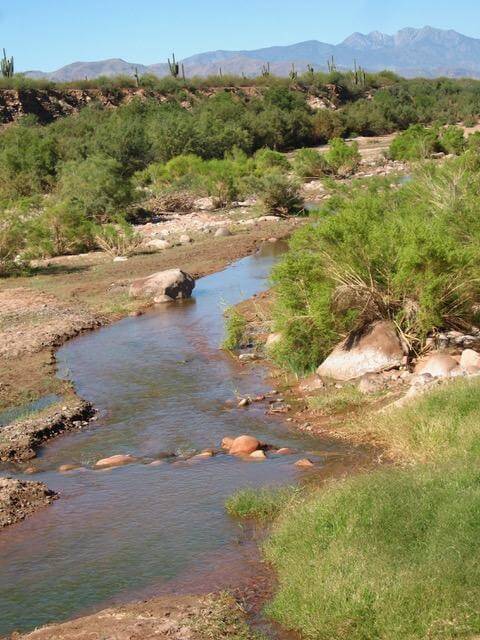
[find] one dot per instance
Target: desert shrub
(309, 163)
(269, 159)
(11, 242)
(279, 194)
(342, 158)
(409, 255)
(328, 124)
(27, 160)
(416, 143)
(452, 140)
(117, 238)
(95, 188)
(58, 229)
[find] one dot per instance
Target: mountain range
(427, 52)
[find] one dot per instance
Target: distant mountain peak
(425, 51)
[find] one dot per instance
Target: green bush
(410, 255)
(416, 143)
(235, 327)
(11, 242)
(452, 140)
(58, 229)
(268, 159)
(117, 238)
(342, 158)
(309, 163)
(279, 194)
(95, 188)
(390, 554)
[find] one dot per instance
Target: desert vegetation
(59, 181)
(376, 251)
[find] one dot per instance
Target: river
(160, 384)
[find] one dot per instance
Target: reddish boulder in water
(244, 446)
(115, 461)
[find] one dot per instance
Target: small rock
(156, 463)
(222, 232)
(115, 461)
(244, 402)
(312, 383)
(470, 358)
(158, 244)
(247, 357)
(203, 455)
(272, 340)
(184, 239)
(258, 455)
(67, 467)
(120, 259)
(305, 463)
(31, 470)
(284, 451)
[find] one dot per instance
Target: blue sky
(46, 34)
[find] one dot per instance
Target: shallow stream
(160, 384)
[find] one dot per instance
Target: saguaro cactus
(174, 67)
(7, 66)
(293, 73)
(331, 64)
(266, 70)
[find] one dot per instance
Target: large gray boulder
(164, 286)
(376, 349)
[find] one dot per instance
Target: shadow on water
(160, 384)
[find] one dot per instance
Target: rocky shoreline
(19, 440)
(20, 498)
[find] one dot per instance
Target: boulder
(244, 446)
(222, 232)
(227, 443)
(184, 239)
(115, 461)
(375, 349)
(258, 455)
(470, 358)
(438, 365)
(163, 286)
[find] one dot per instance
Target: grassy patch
(261, 504)
(235, 327)
(444, 423)
(391, 555)
(334, 401)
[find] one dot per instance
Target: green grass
(391, 555)
(442, 424)
(334, 401)
(261, 504)
(235, 327)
